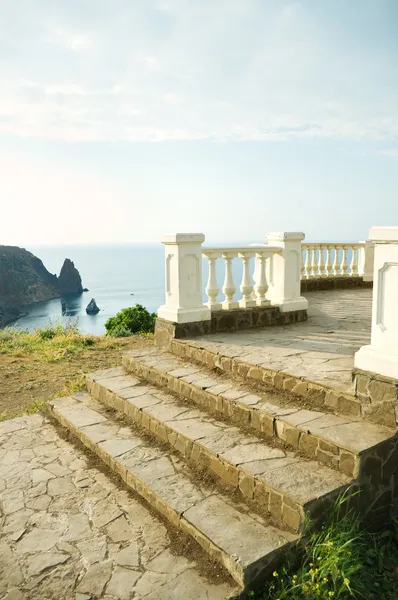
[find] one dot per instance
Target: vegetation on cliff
(129, 321)
(24, 280)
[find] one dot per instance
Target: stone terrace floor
(68, 532)
(320, 350)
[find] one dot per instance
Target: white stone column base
(184, 315)
(229, 305)
(369, 359)
(245, 304)
(299, 303)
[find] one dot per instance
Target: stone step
(280, 482)
(241, 363)
(344, 443)
(244, 543)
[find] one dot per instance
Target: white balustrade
(331, 260)
(253, 288)
(212, 288)
(261, 285)
(271, 273)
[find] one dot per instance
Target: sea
(117, 276)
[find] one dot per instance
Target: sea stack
(69, 280)
(92, 308)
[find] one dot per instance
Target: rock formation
(25, 280)
(92, 308)
(69, 280)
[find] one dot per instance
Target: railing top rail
(348, 244)
(241, 249)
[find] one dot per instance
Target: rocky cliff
(69, 280)
(24, 280)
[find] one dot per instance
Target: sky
(123, 120)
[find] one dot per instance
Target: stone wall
(226, 321)
(378, 396)
(333, 283)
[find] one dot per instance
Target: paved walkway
(321, 349)
(67, 532)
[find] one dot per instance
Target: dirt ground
(27, 382)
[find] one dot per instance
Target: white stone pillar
(366, 262)
(381, 356)
(183, 279)
(285, 283)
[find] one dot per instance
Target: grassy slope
(35, 367)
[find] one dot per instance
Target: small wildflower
(346, 581)
(331, 594)
(275, 574)
(325, 580)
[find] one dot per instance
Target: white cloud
(77, 42)
(203, 69)
(391, 152)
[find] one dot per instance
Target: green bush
(129, 321)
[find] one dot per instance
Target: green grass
(51, 344)
(37, 405)
(341, 561)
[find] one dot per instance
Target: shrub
(136, 319)
(341, 561)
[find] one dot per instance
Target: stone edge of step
(280, 380)
(230, 562)
(282, 505)
(316, 445)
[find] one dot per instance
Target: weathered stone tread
(70, 532)
(244, 543)
(333, 439)
(286, 484)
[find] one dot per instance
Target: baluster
(307, 267)
(246, 286)
(261, 285)
(321, 263)
(354, 263)
(212, 288)
(344, 263)
(328, 264)
(229, 288)
(313, 262)
(336, 262)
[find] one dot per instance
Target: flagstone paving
(69, 532)
(320, 349)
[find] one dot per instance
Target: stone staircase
(237, 465)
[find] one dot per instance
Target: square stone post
(366, 264)
(381, 356)
(285, 274)
(183, 279)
